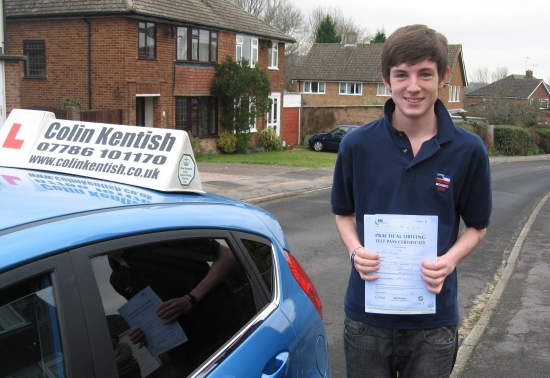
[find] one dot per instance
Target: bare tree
(343, 24)
(499, 74)
(481, 75)
(254, 7)
(284, 16)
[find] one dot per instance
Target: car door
(336, 137)
(42, 327)
(235, 329)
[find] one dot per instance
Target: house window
(383, 90)
(35, 51)
(147, 35)
(247, 48)
(314, 87)
(351, 88)
(454, 93)
(543, 103)
(197, 45)
(273, 55)
(198, 115)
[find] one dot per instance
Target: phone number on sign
(104, 154)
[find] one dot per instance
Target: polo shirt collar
(445, 133)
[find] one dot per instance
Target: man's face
(414, 89)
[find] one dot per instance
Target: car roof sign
(154, 158)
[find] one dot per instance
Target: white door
(274, 114)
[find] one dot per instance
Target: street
(309, 225)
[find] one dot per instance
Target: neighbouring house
(151, 60)
(520, 88)
(342, 84)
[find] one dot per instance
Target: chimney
(351, 38)
(529, 74)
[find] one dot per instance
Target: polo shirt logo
(442, 182)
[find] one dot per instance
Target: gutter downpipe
(89, 64)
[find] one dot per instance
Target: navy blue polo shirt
(376, 173)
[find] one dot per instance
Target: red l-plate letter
(11, 141)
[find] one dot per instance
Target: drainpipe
(89, 64)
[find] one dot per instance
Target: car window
(173, 269)
(30, 342)
(340, 131)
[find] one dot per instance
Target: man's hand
(172, 309)
(366, 262)
(137, 337)
(434, 273)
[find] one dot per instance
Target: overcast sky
(504, 33)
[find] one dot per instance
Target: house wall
(13, 74)
(323, 112)
(457, 79)
(540, 93)
(117, 74)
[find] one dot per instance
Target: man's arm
(434, 273)
(365, 262)
(173, 308)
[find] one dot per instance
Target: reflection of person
(126, 364)
(393, 166)
(192, 292)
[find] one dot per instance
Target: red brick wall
(115, 65)
(13, 73)
(117, 74)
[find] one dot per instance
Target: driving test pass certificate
(403, 242)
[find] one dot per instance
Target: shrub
(269, 139)
(468, 127)
(512, 140)
(243, 141)
(196, 146)
(227, 142)
(544, 140)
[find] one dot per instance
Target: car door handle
(277, 367)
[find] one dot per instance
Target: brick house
(521, 88)
(342, 84)
(154, 60)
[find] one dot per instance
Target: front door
(274, 114)
(144, 111)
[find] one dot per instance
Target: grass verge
(297, 157)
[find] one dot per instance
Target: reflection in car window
(172, 270)
(261, 255)
(30, 343)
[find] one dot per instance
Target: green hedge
(512, 140)
(544, 140)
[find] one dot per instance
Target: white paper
(403, 242)
(141, 311)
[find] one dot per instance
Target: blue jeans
(384, 352)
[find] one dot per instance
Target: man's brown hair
(412, 44)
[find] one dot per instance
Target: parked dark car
(330, 140)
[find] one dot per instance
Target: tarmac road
(511, 337)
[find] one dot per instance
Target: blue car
(330, 140)
(205, 285)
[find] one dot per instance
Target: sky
(492, 33)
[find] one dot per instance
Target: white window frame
(321, 87)
(383, 91)
(454, 93)
(351, 89)
(242, 42)
(543, 101)
(273, 56)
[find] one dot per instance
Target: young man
(392, 166)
